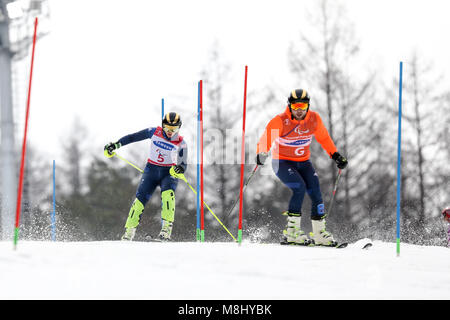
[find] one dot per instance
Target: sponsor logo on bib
(298, 142)
(163, 145)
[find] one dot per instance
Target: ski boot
(167, 214)
(129, 234)
(321, 236)
(133, 220)
(293, 234)
(166, 230)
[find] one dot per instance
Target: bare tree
(219, 122)
(442, 172)
(74, 154)
(37, 196)
(423, 96)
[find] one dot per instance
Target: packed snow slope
(225, 271)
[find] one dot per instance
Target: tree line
(360, 111)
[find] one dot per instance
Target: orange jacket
(293, 137)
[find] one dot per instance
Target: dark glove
(261, 158)
(340, 160)
(110, 147)
(177, 172)
(178, 169)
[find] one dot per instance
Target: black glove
(340, 160)
(178, 169)
(110, 147)
(261, 158)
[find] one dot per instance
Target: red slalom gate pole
(202, 209)
(22, 163)
(241, 187)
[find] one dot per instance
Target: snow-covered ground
(205, 271)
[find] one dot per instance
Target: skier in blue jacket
(168, 158)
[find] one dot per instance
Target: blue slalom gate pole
(53, 217)
(162, 118)
(399, 156)
(198, 235)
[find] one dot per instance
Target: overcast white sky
(111, 62)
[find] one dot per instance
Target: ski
(149, 238)
(342, 245)
(367, 245)
(306, 244)
(311, 244)
(336, 246)
(157, 240)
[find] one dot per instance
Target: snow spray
(446, 216)
(53, 216)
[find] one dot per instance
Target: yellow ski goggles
(172, 129)
(299, 105)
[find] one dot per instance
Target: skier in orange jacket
(289, 135)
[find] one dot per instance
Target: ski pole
(182, 177)
(334, 192)
(246, 183)
(131, 164)
(446, 223)
(448, 234)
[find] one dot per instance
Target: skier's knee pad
(134, 215)
(168, 205)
